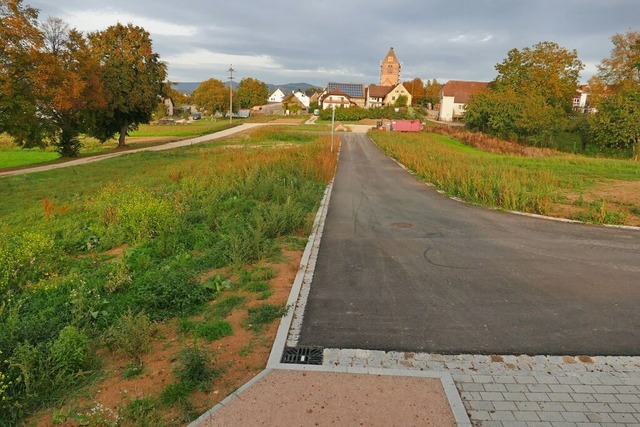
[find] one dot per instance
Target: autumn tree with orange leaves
(20, 48)
(55, 84)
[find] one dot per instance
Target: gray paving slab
(511, 389)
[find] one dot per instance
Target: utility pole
(333, 119)
(231, 70)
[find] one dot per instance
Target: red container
(406, 125)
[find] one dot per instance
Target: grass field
(108, 266)
(146, 135)
(578, 187)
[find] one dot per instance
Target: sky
(315, 42)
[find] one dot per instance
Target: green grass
(196, 128)
(260, 316)
(12, 158)
(174, 215)
(510, 182)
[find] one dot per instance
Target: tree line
(212, 95)
(531, 99)
(56, 83)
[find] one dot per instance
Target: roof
(377, 91)
(462, 91)
(336, 92)
(392, 54)
(354, 90)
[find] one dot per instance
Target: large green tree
(251, 92)
(616, 96)
(212, 95)
(531, 98)
(617, 122)
(132, 76)
(547, 69)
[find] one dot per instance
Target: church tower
(390, 70)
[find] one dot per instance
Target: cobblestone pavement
(524, 390)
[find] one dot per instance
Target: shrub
(131, 335)
(25, 259)
(130, 214)
(70, 353)
(196, 369)
(119, 278)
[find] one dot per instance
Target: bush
(70, 353)
(130, 214)
(196, 369)
(131, 335)
(26, 259)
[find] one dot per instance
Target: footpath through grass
(552, 184)
(14, 157)
(92, 256)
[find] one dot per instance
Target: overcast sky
(285, 41)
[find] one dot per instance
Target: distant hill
(189, 87)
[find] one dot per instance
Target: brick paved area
(523, 390)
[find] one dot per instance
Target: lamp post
(231, 70)
(333, 119)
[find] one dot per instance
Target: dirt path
(168, 146)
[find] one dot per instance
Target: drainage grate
(302, 355)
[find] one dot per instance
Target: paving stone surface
(507, 390)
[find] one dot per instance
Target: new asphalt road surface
(402, 267)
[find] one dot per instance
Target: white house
(335, 98)
(454, 96)
(304, 99)
(580, 99)
(277, 96)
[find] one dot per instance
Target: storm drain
(302, 355)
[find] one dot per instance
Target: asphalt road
(402, 267)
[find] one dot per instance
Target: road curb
(530, 215)
(305, 274)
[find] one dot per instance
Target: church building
(390, 70)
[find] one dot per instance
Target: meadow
(508, 176)
(146, 135)
(162, 251)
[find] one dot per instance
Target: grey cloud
(311, 41)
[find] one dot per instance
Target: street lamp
(231, 70)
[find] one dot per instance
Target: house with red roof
(455, 95)
(335, 98)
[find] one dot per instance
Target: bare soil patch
(290, 120)
(617, 196)
(241, 356)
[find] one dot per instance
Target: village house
(454, 96)
(303, 98)
(277, 96)
(335, 98)
(581, 99)
(381, 96)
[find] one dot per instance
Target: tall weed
(482, 179)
